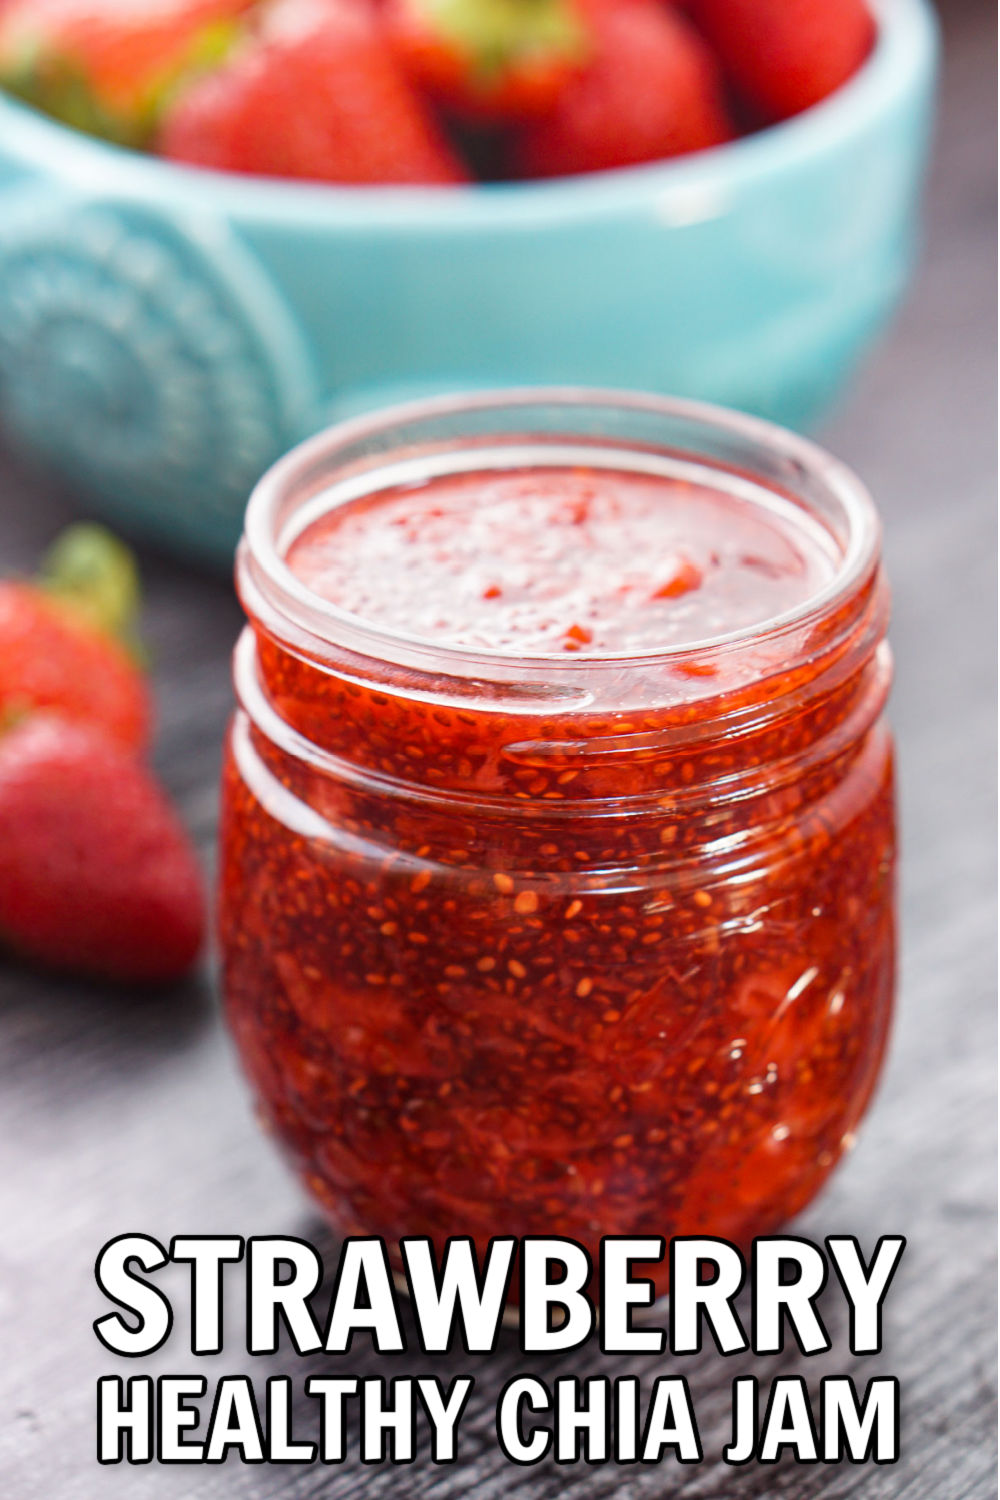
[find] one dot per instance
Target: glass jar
(570, 945)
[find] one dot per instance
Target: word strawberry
(316, 93)
(64, 640)
(652, 90)
(108, 67)
(97, 876)
(785, 55)
(490, 60)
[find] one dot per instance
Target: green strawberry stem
(89, 569)
(496, 33)
(208, 50)
(11, 715)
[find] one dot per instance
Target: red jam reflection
(505, 960)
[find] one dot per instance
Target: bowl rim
(684, 188)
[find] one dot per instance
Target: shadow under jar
(577, 917)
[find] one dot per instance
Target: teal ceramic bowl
(166, 332)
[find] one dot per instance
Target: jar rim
(330, 624)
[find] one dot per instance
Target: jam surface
(549, 560)
(521, 965)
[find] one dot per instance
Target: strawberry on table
(108, 66)
(490, 60)
(651, 90)
(97, 876)
(66, 641)
(785, 55)
(316, 93)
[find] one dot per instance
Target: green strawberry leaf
(96, 575)
(496, 33)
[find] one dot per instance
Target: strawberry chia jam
(557, 850)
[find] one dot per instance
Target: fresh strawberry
(97, 876)
(490, 61)
(107, 66)
(317, 94)
(652, 90)
(61, 640)
(785, 55)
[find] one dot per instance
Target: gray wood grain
(128, 1113)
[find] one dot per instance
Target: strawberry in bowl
(652, 90)
(782, 56)
(314, 92)
(109, 66)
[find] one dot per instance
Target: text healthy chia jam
(557, 852)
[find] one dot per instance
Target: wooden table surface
(122, 1113)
